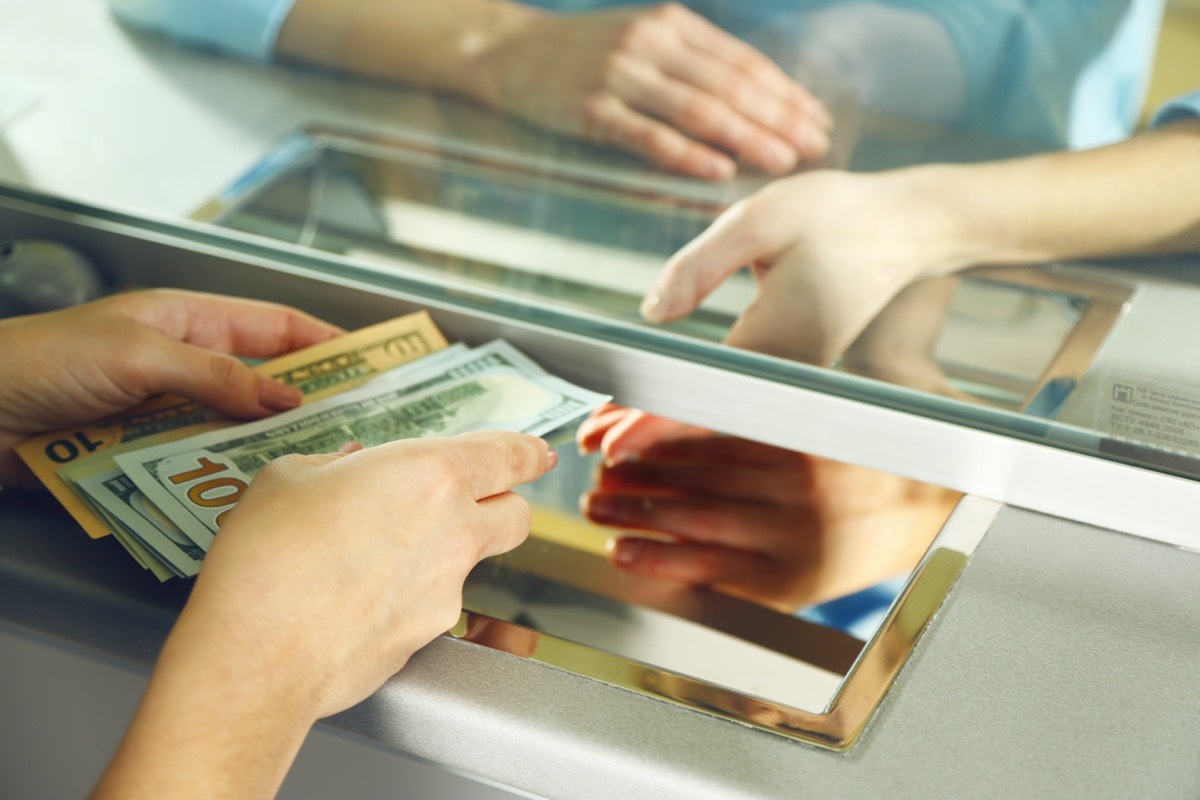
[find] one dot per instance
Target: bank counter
(1043, 645)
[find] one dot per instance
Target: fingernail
(551, 459)
(653, 307)
(781, 158)
(278, 396)
(626, 551)
(822, 115)
(596, 507)
(815, 142)
(720, 169)
(350, 447)
(618, 456)
(605, 509)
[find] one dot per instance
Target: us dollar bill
(138, 523)
(319, 371)
(196, 482)
(134, 517)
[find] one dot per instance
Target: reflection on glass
(556, 153)
(566, 580)
(510, 227)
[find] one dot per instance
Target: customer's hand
(662, 82)
(329, 574)
(85, 362)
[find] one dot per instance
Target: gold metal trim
(1107, 299)
(838, 727)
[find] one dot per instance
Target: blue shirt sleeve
(1054, 72)
(1181, 107)
(245, 28)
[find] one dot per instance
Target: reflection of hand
(504, 636)
(829, 251)
(778, 527)
(328, 575)
(84, 362)
(899, 346)
(620, 433)
(662, 82)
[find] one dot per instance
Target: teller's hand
(829, 251)
(661, 82)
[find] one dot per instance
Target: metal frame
(1003, 468)
(1048, 474)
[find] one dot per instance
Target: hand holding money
(164, 476)
(85, 362)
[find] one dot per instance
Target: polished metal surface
(511, 225)
(824, 686)
(1022, 461)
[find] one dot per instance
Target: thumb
(733, 241)
(221, 382)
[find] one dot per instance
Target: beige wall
(1177, 63)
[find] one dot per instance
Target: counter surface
(1062, 664)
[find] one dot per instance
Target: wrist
(480, 49)
(942, 218)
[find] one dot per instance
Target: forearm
(437, 44)
(1139, 197)
(207, 727)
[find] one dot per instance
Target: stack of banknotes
(162, 476)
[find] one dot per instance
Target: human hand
(620, 433)
(332, 570)
(828, 249)
(327, 576)
(82, 363)
(783, 529)
(659, 81)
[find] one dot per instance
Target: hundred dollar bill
(102, 485)
(197, 481)
(133, 516)
(318, 371)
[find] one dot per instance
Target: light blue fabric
(1053, 73)
(1060, 73)
(1181, 107)
(244, 28)
(859, 614)
(1050, 73)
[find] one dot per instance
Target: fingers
(505, 520)
(748, 526)
(697, 564)
(761, 70)
(609, 120)
(212, 379)
(637, 431)
(695, 478)
(484, 463)
(226, 324)
(590, 432)
(725, 450)
(711, 85)
(737, 238)
(702, 115)
(623, 433)
(751, 85)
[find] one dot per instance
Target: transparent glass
(549, 161)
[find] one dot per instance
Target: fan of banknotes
(161, 477)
